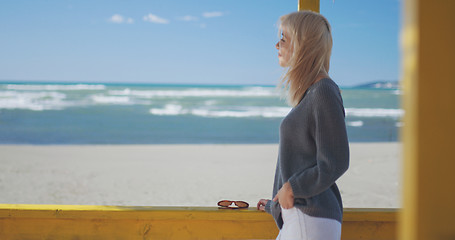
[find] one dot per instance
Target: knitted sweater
(313, 153)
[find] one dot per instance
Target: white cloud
(155, 19)
(117, 18)
(212, 14)
(189, 18)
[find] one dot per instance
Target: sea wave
(168, 110)
(354, 123)
(197, 92)
(374, 112)
(397, 92)
(111, 99)
(36, 101)
(266, 112)
(244, 112)
(116, 100)
(55, 87)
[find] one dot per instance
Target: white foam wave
(36, 101)
(55, 87)
(265, 112)
(355, 123)
(374, 112)
(168, 110)
(198, 92)
(397, 92)
(277, 113)
(111, 99)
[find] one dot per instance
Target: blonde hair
(311, 38)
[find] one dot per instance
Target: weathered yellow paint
(428, 38)
(117, 222)
(312, 5)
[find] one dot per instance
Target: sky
(186, 42)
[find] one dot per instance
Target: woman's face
(284, 48)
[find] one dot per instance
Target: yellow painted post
(428, 46)
(312, 5)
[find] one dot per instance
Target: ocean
(73, 113)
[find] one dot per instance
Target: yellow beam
(117, 222)
(428, 38)
(312, 5)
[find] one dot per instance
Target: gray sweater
(313, 153)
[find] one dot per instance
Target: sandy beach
(178, 175)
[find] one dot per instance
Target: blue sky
(177, 41)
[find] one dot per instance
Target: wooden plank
(125, 222)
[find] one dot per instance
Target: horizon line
(4, 81)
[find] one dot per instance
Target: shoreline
(179, 174)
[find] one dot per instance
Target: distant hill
(380, 84)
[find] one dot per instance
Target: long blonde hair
(311, 37)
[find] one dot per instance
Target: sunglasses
(226, 204)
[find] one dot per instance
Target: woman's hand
(262, 203)
(285, 196)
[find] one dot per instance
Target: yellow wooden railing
(121, 222)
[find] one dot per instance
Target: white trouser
(298, 225)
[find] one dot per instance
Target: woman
(313, 149)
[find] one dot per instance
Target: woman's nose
(277, 45)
